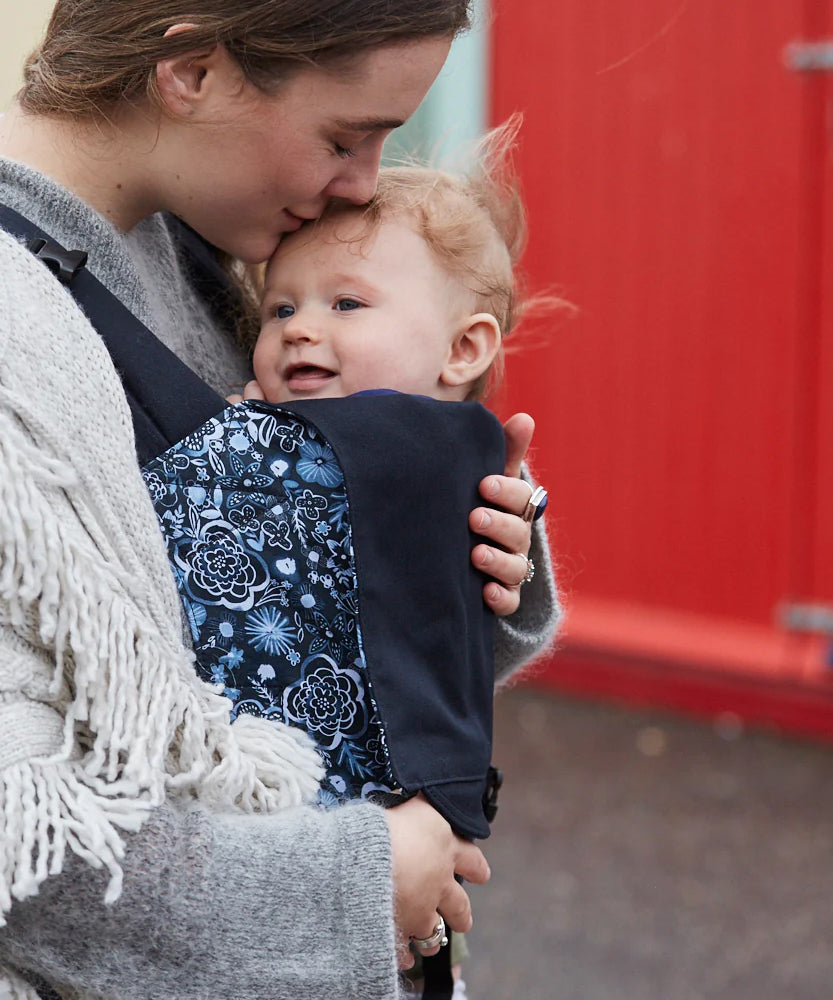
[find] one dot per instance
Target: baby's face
(341, 316)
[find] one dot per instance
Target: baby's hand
(251, 391)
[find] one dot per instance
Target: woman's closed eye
(349, 144)
(347, 304)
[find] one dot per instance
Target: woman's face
(249, 166)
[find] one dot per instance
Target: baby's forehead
(352, 233)
(351, 226)
(391, 248)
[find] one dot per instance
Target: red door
(677, 176)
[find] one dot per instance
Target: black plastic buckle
(494, 781)
(64, 264)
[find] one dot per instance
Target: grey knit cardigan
(147, 848)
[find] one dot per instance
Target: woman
(121, 779)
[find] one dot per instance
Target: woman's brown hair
(99, 54)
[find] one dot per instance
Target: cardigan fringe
(147, 724)
(13, 988)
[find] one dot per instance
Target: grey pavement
(643, 856)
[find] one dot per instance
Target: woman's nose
(357, 181)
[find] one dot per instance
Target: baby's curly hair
(474, 223)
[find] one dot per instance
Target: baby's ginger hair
(474, 223)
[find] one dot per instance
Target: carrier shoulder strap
(167, 399)
(438, 977)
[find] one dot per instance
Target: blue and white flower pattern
(255, 516)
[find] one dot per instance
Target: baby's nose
(299, 330)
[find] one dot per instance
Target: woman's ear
(182, 79)
(472, 351)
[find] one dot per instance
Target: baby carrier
(322, 554)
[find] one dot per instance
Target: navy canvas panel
(322, 552)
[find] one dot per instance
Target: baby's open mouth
(307, 377)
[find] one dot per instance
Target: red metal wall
(677, 178)
(820, 359)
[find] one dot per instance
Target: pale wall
(22, 23)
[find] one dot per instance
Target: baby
(317, 528)
(414, 292)
(345, 518)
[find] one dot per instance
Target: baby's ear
(472, 351)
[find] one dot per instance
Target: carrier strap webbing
(167, 399)
(436, 969)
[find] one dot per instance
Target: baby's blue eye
(347, 305)
(284, 312)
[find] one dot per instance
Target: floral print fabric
(255, 515)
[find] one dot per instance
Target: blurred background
(676, 158)
(666, 825)
(676, 162)
(23, 21)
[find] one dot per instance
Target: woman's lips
(293, 222)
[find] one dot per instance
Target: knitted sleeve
(531, 630)
(288, 906)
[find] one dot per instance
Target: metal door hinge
(817, 618)
(809, 57)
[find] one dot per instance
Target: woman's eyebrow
(368, 124)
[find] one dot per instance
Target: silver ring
(438, 939)
(536, 505)
(530, 568)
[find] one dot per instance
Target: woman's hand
(426, 856)
(506, 560)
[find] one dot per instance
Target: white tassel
(43, 809)
(276, 766)
(13, 988)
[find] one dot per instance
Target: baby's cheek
(266, 364)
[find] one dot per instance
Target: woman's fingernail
(485, 520)
(492, 487)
